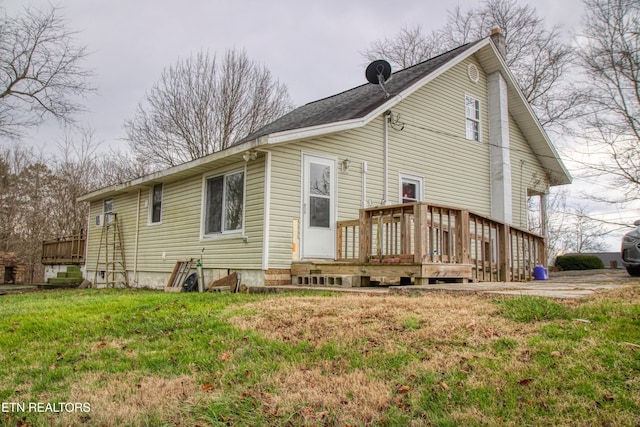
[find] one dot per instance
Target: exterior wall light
(345, 165)
(250, 155)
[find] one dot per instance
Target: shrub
(579, 262)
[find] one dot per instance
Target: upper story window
(472, 112)
(156, 204)
(224, 203)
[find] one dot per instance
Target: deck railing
(426, 233)
(65, 250)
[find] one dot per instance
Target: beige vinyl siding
(178, 235)
(433, 143)
(359, 145)
(526, 174)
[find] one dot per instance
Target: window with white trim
(410, 189)
(472, 112)
(224, 203)
(156, 204)
(107, 206)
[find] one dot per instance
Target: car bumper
(631, 254)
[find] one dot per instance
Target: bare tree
(409, 47)
(75, 169)
(41, 73)
(27, 188)
(570, 227)
(610, 55)
(119, 166)
(536, 54)
(202, 105)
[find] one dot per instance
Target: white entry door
(318, 207)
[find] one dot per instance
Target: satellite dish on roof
(378, 73)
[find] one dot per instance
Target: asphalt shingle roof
(354, 103)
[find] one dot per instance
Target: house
(447, 141)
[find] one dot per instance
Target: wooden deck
(66, 250)
(422, 243)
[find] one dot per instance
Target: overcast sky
(314, 47)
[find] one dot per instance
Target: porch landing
(356, 274)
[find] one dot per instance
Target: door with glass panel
(318, 207)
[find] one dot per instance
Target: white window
(472, 112)
(224, 203)
(155, 215)
(107, 206)
(410, 189)
(107, 211)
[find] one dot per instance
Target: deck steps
(353, 274)
(72, 276)
(346, 281)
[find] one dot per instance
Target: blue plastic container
(540, 273)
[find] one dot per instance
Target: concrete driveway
(566, 284)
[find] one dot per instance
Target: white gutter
(203, 161)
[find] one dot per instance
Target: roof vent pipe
(499, 40)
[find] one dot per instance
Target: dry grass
(325, 394)
(383, 322)
(121, 399)
(449, 333)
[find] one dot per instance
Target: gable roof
(356, 107)
(355, 103)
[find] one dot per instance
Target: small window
(472, 111)
(410, 189)
(156, 204)
(107, 206)
(107, 211)
(224, 209)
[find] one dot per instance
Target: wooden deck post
(464, 241)
(504, 253)
(420, 232)
(339, 254)
(365, 236)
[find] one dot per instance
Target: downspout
(543, 215)
(267, 210)
(135, 250)
(364, 183)
(385, 177)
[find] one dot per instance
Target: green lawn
(143, 358)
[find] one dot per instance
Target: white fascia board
(142, 181)
(313, 131)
